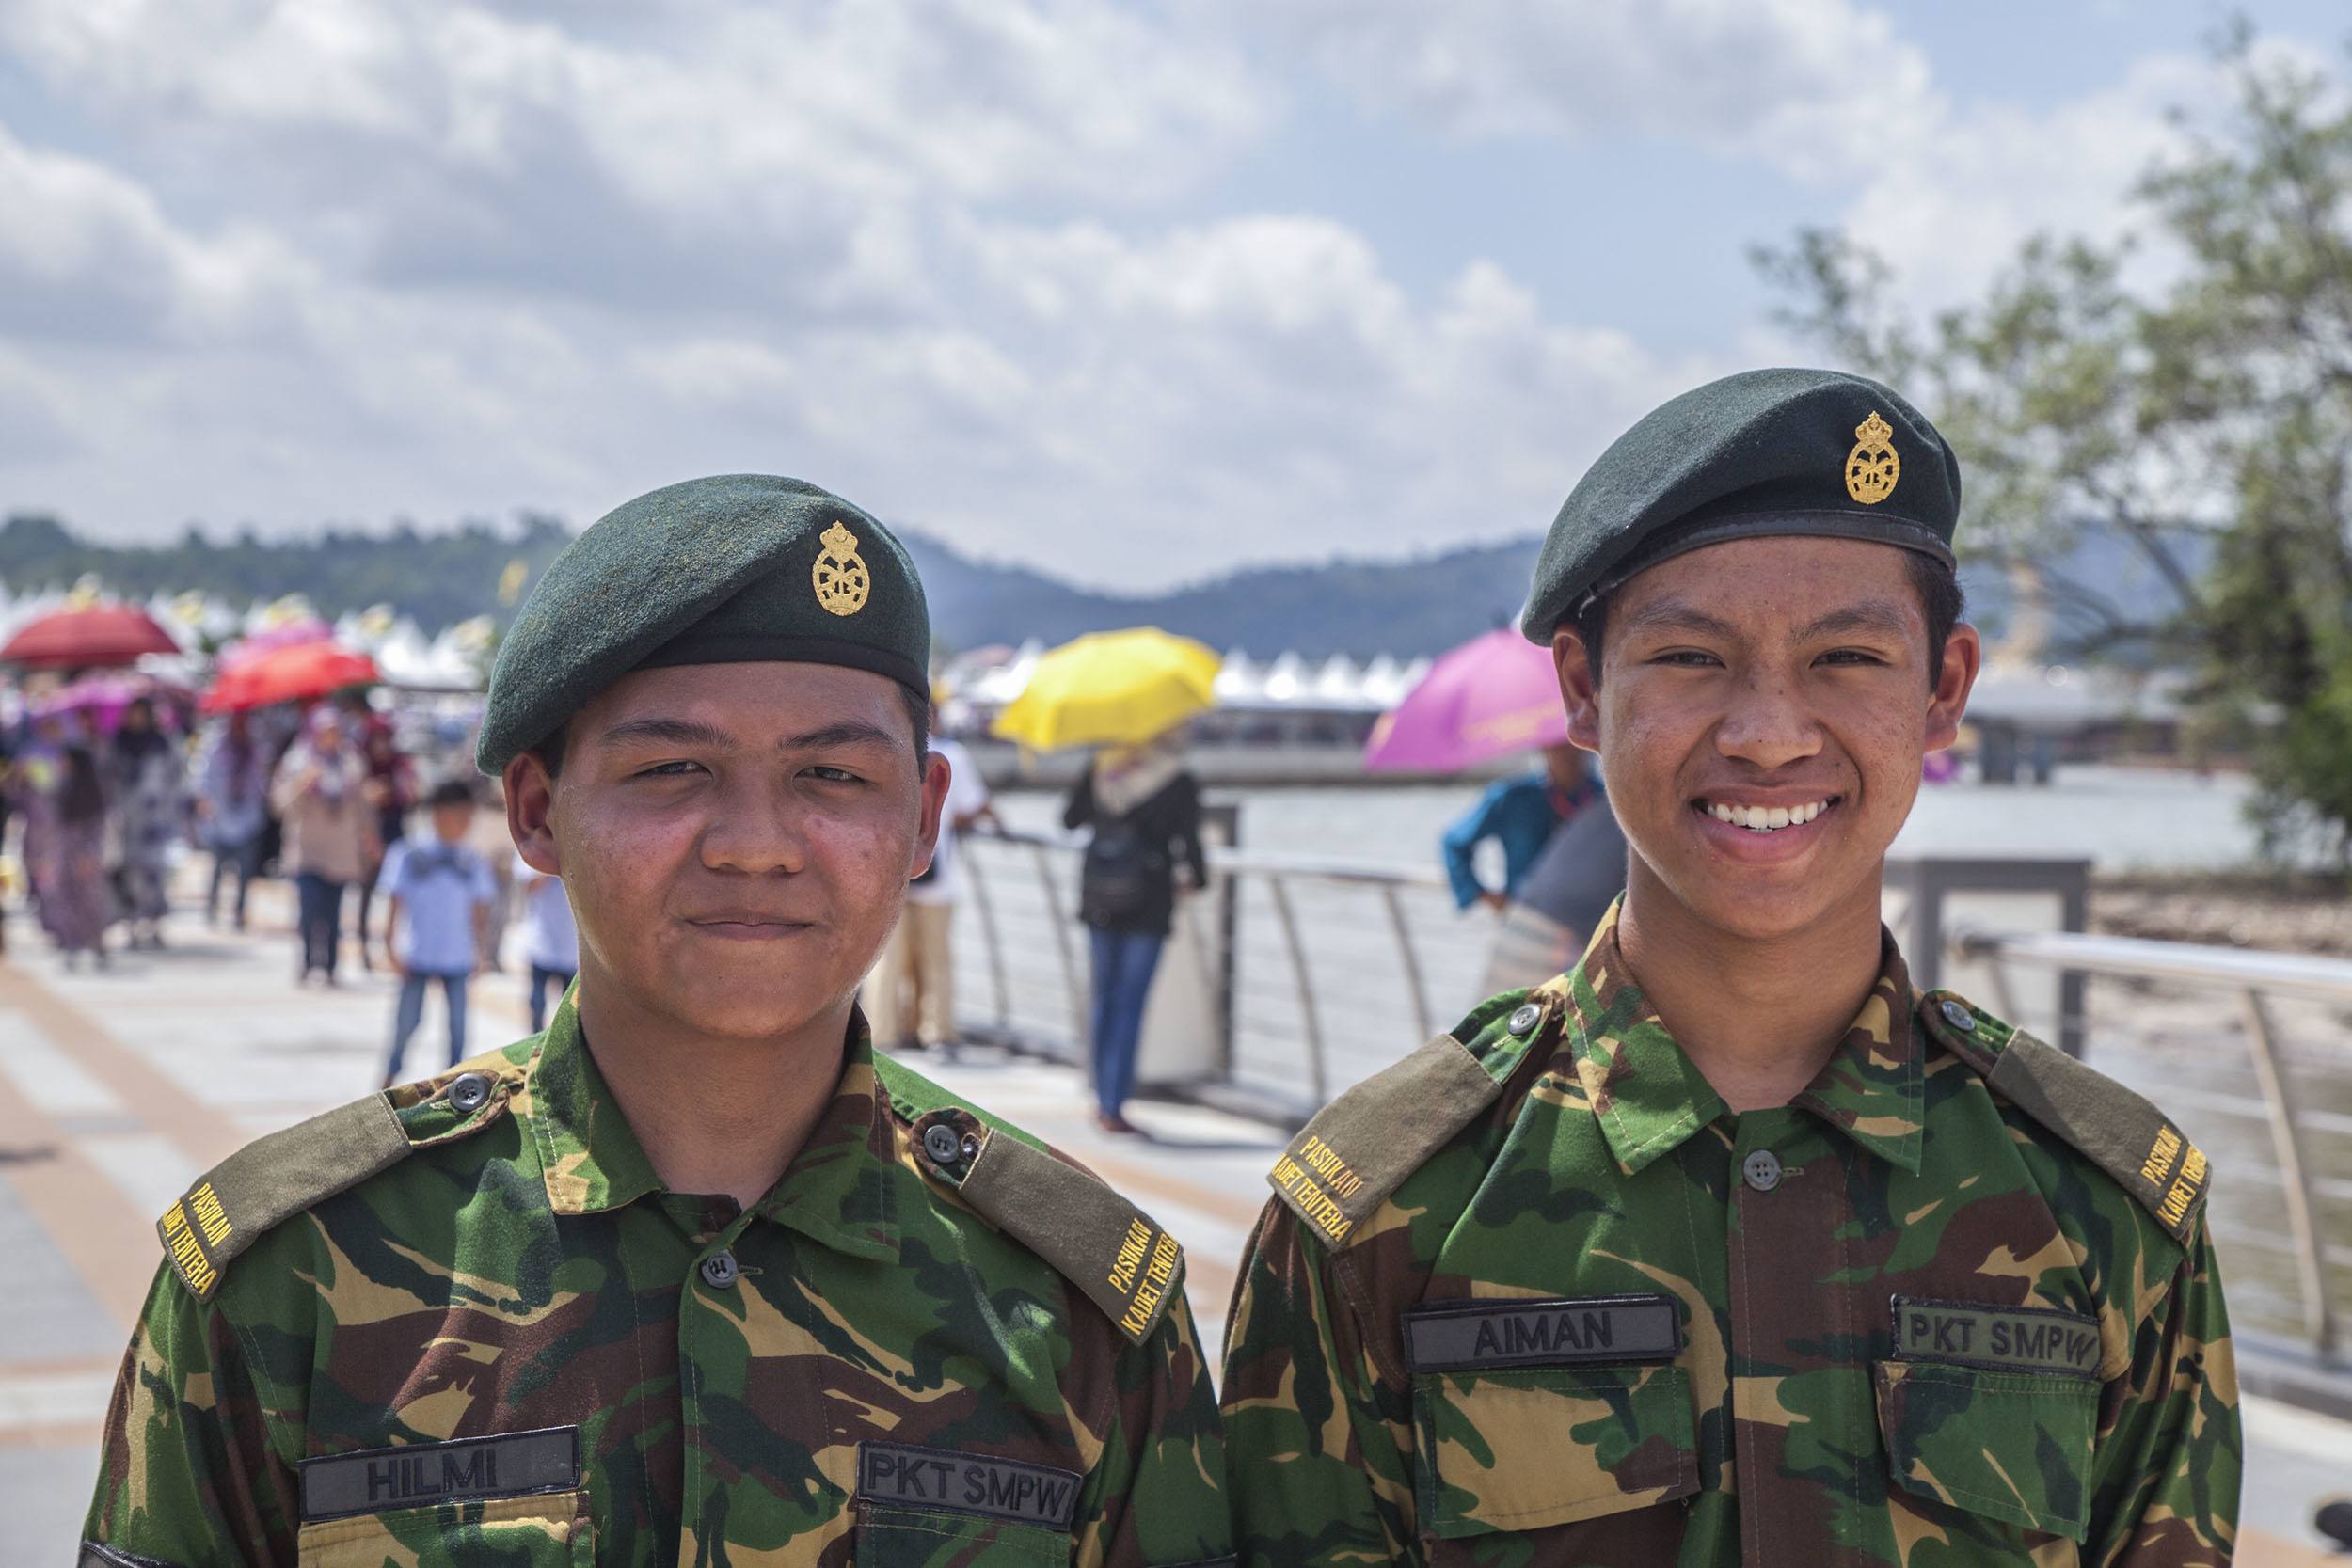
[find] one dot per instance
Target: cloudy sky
(1133, 293)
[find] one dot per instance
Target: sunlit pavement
(118, 1089)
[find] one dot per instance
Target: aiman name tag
(511, 1464)
(2002, 1339)
(901, 1475)
(1473, 1335)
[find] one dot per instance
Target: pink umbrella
(1492, 696)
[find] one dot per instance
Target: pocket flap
(1527, 1447)
(2012, 1445)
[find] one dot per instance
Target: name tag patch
(470, 1470)
(2003, 1339)
(1560, 1332)
(901, 1475)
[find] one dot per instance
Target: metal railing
(2280, 1016)
(1293, 976)
(1286, 979)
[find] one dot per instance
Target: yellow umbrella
(1111, 688)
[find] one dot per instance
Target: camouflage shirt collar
(1873, 1085)
(1649, 1097)
(836, 1190)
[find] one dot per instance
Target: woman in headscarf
(64, 800)
(330, 832)
(145, 779)
(1144, 806)
(232, 808)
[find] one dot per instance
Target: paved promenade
(118, 1089)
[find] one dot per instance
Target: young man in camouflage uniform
(693, 1277)
(1727, 1246)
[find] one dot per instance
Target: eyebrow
(688, 732)
(1873, 615)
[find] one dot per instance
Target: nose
(1767, 726)
(755, 828)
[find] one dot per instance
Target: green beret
(733, 569)
(1778, 452)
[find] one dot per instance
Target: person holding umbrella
(1128, 693)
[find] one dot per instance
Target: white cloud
(960, 258)
(1810, 85)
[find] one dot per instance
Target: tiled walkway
(118, 1089)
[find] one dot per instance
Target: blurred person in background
(438, 923)
(62, 794)
(550, 938)
(146, 777)
(1144, 806)
(910, 998)
(233, 810)
(390, 789)
(1558, 902)
(1521, 813)
(330, 832)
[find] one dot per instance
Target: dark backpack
(1124, 878)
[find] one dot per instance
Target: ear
(530, 814)
(1963, 656)
(1580, 690)
(936, 776)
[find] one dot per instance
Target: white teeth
(1766, 819)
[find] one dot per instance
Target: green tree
(2213, 408)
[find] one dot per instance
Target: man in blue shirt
(1522, 813)
(441, 891)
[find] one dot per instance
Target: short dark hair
(449, 792)
(1941, 599)
(917, 704)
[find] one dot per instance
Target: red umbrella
(83, 637)
(287, 674)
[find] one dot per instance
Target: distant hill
(1419, 606)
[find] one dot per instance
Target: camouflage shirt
(1536, 1296)
(464, 1323)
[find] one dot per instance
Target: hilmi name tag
(2001, 1339)
(471, 1469)
(901, 1475)
(1562, 1332)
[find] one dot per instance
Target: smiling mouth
(1766, 819)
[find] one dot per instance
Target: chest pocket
(2012, 1447)
(920, 1538)
(549, 1530)
(1524, 1448)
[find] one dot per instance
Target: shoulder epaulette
(1117, 1257)
(2114, 1128)
(1359, 1149)
(276, 1177)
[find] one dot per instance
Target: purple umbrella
(1492, 696)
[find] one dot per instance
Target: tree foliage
(2193, 389)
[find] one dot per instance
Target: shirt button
(468, 1093)
(718, 1271)
(940, 1142)
(1761, 1170)
(1525, 1018)
(1959, 1017)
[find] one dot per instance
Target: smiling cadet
(1728, 1246)
(695, 1276)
